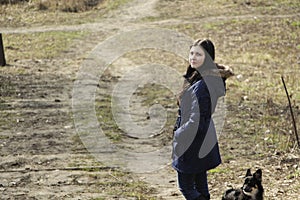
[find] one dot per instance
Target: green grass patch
(44, 45)
(105, 118)
(124, 185)
(4, 137)
(227, 157)
(294, 175)
(157, 94)
(296, 23)
(218, 170)
(114, 4)
(7, 121)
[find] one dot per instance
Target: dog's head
(252, 185)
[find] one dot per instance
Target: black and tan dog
(251, 190)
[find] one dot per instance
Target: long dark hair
(192, 75)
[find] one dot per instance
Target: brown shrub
(62, 5)
(69, 5)
(12, 1)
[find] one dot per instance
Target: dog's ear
(258, 174)
(248, 173)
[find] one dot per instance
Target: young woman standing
(195, 146)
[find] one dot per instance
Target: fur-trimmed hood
(225, 71)
(222, 70)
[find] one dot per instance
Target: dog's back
(233, 194)
(251, 190)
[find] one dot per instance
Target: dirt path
(127, 16)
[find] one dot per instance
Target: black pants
(193, 185)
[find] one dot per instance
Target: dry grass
(194, 9)
(62, 12)
(261, 42)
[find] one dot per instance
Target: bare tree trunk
(291, 109)
(2, 57)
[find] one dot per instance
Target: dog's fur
(251, 190)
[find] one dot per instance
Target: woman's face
(196, 57)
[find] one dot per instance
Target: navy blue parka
(195, 146)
